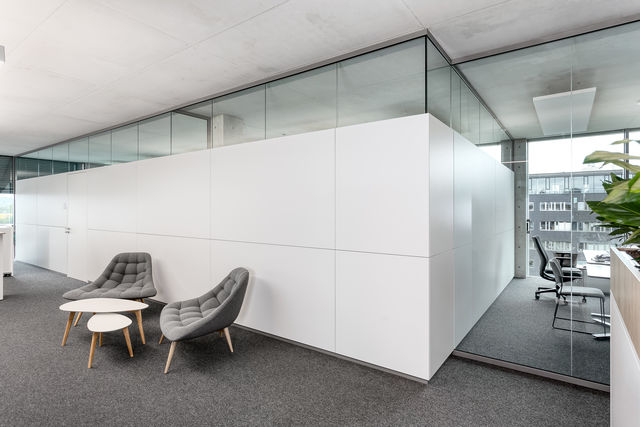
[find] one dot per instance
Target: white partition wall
(380, 241)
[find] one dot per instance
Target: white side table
(108, 322)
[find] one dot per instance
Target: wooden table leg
(100, 339)
(139, 316)
(94, 337)
(77, 318)
(125, 331)
(161, 338)
(68, 328)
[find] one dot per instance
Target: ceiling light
(1, 54)
(562, 113)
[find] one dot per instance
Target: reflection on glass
(188, 132)
(302, 103)
(469, 114)
(154, 137)
(27, 166)
(456, 93)
(383, 84)
(438, 85)
(486, 126)
(239, 117)
(79, 154)
(124, 144)
(60, 158)
(100, 150)
(45, 165)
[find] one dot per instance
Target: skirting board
(533, 371)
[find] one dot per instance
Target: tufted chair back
(128, 270)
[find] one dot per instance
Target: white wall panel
(441, 310)
(173, 195)
(382, 186)
(625, 373)
(464, 171)
(52, 200)
(381, 310)
(463, 296)
(51, 250)
(111, 201)
(102, 246)
(276, 191)
(440, 190)
(504, 198)
(180, 266)
(26, 201)
(27, 243)
(291, 292)
(483, 197)
(77, 223)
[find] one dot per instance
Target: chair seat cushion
(567, 272)
(123, 290)
(580, 291)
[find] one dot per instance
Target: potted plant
(620, 210)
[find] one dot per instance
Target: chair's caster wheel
(584, 299)
(537, 296)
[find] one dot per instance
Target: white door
(77, 226)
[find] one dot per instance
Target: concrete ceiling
(78, 66)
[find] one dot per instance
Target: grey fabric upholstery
(127, 276)
(213, 311)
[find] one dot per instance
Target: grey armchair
(214, 311)
(128, 276)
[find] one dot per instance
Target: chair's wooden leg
(161, 338)
(228, 336)
(77, 319)
(139, 316)
(94, 337)
(125, 331)
(68, 328)
(171, 350)
(100, 339)
(221, 333)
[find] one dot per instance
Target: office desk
(597, 273)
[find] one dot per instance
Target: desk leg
(94, 338)
(139, 316)
(66, 330)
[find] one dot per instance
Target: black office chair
(580, 291)
(568, 273)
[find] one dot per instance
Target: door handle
(67, 230)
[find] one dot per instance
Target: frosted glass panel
(100, 150)
(383, 84)
(154, 137)
(124, 144)
(302, 103)
(188, 133)
(239, 117)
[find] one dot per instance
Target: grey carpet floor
(517, 328)
(266, 381)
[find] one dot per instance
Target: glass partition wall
(560, 101)
(408, 78)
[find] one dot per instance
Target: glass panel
(27, 167)
(469, 114)
(494, 150)
(438, 85)
(239, 117)
(486, 126)
(45, 165)
(124, 144)
(188, 132)
(383, 84)
(61, 158)
(79, 154)
(634, 145)
(154, 137)
(203, 110)
(100, 150)
(456, 114)
(302, 103)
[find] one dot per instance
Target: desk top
(601, 271)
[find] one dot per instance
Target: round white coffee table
(103, 305)
(108, 322)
